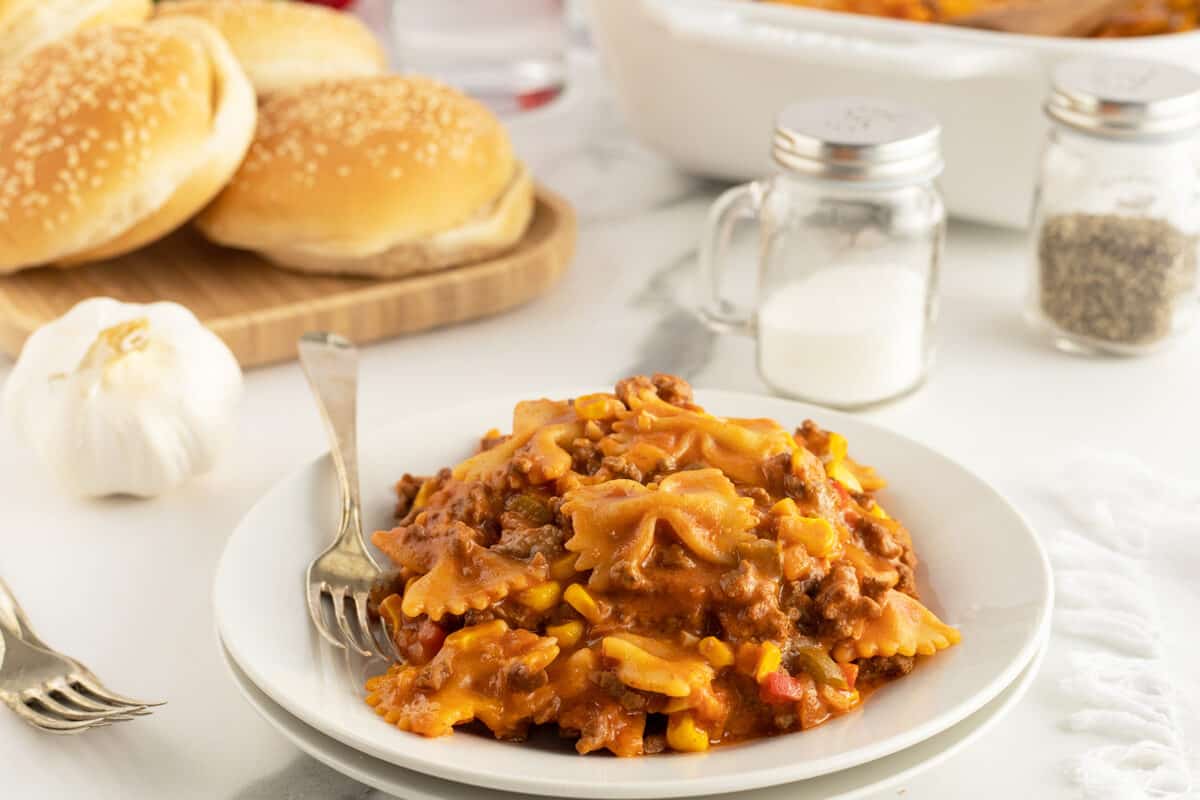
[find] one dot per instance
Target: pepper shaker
(1114, 261)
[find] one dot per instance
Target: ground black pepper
(1114, 279)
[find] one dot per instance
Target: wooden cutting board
(260, 310)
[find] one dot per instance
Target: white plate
(989, 576)
(848, 784)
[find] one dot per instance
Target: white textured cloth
(1114, 576)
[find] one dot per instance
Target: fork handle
(12, 616)
(331, 364)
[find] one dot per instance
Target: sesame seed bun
(26, 25)
(282, 45)
(374, 176)
(115, 136)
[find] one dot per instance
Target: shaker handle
(735, 206)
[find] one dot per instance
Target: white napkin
(1117, 560)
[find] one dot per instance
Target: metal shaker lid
(1125, 98)
(858, 139)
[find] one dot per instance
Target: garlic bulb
(121, 398)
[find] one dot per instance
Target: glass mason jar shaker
(1117, 211)
(851, 231)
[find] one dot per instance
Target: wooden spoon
(1042, 17)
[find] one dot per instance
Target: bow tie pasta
(647, 576)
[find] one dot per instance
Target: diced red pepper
(430, 636)
(779, 688)
(851, 672)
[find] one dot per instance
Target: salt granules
(845, 336)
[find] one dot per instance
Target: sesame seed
(103, 86)
(386, 121)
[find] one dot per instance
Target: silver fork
(345, 573)
(51, 691)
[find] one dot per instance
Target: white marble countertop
(125, 585)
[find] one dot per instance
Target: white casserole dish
(700, 81)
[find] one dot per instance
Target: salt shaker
(1114, 261)
(851, 231)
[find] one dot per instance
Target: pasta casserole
(1128, 18)
(647, 577)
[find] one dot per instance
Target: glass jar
(850, 235)
(1117, 213)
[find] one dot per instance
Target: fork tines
(75, 704)
(361, 635)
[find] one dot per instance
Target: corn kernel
(719, 654)
(817, 536)
(842, 474)
(839, 699)
(464, 638)
(568, 634)
(683, 735)
(769, 660)
(785, 507)
(563, 569)
(541, 597)
(423, 495)
(584, 603)
(597, 406)
(745, 658)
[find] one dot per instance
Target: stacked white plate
(983, 570)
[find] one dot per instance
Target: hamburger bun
(26, 25)
(374, 176)
(282, 45)
(115, 136)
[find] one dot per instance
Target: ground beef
(751, 591)
(908, 581)
(669, 388)
(884, 668)
(406, 491)
(875, 588)
(813, 436)
(674, 557)
(841, 605)
(619, 467)
(654, 743)
(779, 477)
(477, 507)
(585, 456)
(797, 602)
(877, 537)
(522, 679)
(517, 473)
(433, 676)
(759, 495)
(522, 542)
(663, 469)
